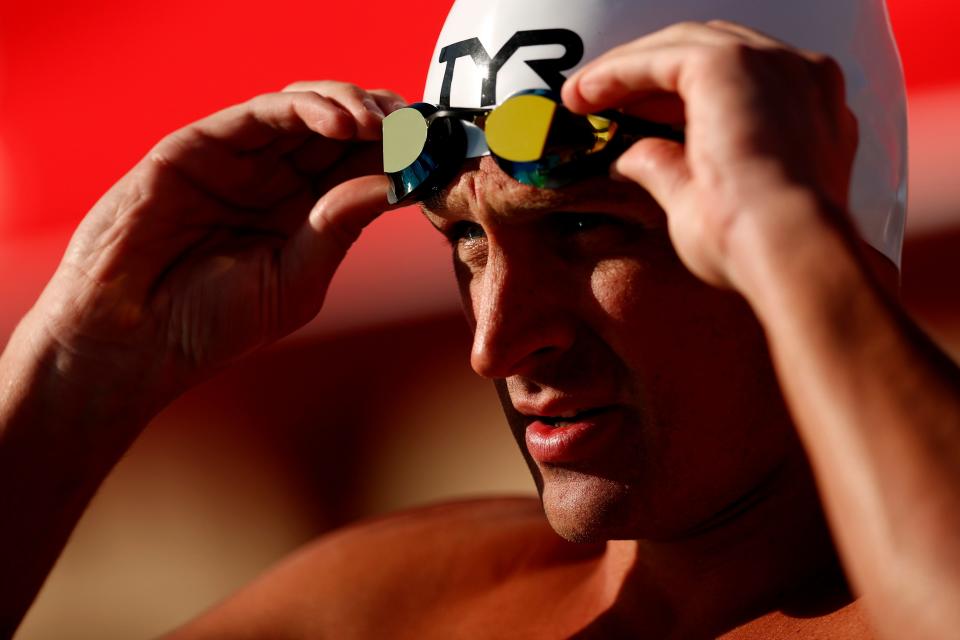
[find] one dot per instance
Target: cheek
(634, 291)
(678, 337)
(615, 286)
(641, 317)
(694, 358)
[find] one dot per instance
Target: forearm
(61, 431)
(877, 406)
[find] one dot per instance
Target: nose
(522, 319)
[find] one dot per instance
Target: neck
(769, 550)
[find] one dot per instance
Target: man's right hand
(223, 238)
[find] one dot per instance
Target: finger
(829, 76)
(324, 171)
(649, 64)
(680, 34)
(657, 165)
(318, 154)
(667, 108)
(314, 252)
(289, 144)
(283, 219)
(267, 118)
(749, 35)
(252, 180)
(363, 159)
(625, 78)
(389, 101)
(235, 155)
(358, 102)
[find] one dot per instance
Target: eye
(573, 223)
(464, 231)
(469, 243)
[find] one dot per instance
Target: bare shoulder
(352, 582)
(847, 623)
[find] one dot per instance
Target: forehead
(482, 190)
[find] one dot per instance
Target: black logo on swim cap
(549, 70)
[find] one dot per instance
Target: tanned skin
(789, 438)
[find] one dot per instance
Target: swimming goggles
(531, 136)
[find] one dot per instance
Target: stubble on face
(687, 361)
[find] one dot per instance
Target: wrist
(76, 384)
(797, 242)
(59, 438)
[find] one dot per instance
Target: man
(700, 362)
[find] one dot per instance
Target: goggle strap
(633, 129)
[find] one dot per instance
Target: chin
(588, 509)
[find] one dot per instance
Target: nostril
(543, 351)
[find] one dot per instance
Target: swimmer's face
(579, 304)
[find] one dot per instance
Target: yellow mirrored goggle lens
(603, 130)
(404, 136)
(517, 130)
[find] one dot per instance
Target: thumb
(657, 165)
(315, 251)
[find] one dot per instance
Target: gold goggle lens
(517, 130)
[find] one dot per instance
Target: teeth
(561, 420)
(569, 417)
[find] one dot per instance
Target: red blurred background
(241, 470)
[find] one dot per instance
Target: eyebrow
(533, 200)
(431, 202)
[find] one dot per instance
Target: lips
(572, 436)
(571, 417)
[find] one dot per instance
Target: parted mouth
(570, 417)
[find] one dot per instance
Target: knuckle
(851, 126)
(351, 90)
(826, 73)
(726, 52)
(315, 86)
(817, 58)
(723, 55)
(685, 28)
(326, 88)
(265, 102)
(307, 106)
(718, 23)
(330, 226)
(259, 101)
(831, 69)
(147, 181)
(161, 159)
(313, 104)
(387, 93)
(737, 50)
(823, 62)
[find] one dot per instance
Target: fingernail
(372, 107)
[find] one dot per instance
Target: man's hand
(766, 126)
(757, 200)
(224, 237)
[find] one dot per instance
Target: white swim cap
(488, 49)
